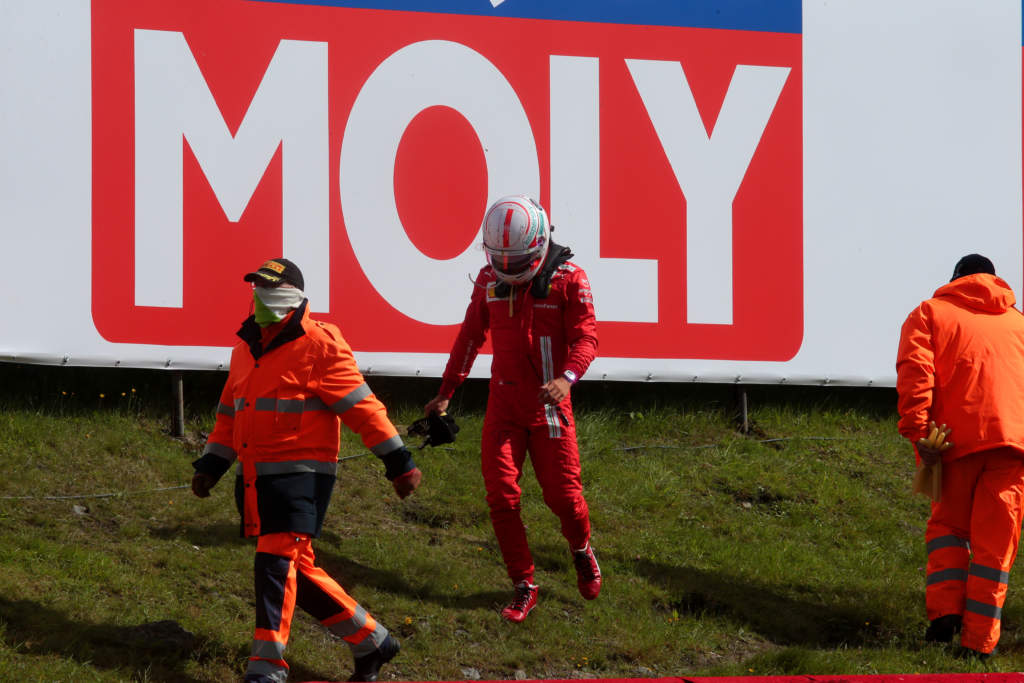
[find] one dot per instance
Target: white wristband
(570, 375)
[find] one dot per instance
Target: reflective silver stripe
(351, 398)
(946, 575)
(291, 405)
(949, 541)
(378, 635)
(220, 450)
(266, 404)
(315, 404)
(267, 649)
(261, 667)
(350, 626)
(224, 409)
(990, 573)
(239, 404)
(385, 447)
(347, 628)
(548, 368)
(554, 429)
(370, 642)
(983, 609)
(546, 360)
(293, 466)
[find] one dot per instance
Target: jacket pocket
(289, 414)
(291, 396)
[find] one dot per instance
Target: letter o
(418, 76)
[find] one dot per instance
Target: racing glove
(436, 428)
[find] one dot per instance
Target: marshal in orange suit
(961, 363)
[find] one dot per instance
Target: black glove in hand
(202, 483)
(437, 428)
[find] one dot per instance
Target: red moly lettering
(365, 148)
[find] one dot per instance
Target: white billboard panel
(760, 192)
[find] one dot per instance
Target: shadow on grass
(760, 607)
(347, 572)
(219, 534)
(152, 651)
(351, 574)
(158, 650)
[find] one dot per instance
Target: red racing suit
(961, 363)
(289, 389)
(535, 339)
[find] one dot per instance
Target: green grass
(795, 549)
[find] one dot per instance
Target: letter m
(173, 103)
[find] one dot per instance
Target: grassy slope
(723, 553)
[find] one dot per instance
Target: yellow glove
(931, 448)
(936, 440)
(928, 479)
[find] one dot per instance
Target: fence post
(178, 418)
(744, 416)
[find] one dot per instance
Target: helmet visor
(514, 264)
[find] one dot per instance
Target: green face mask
(263, 315)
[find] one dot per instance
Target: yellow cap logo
(274, 266)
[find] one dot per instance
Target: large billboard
(759, 190)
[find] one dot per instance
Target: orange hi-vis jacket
(961, 363)
(279, 417)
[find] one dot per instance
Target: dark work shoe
(962, 652)
(368, 666)
(943, 629)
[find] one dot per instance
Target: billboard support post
(744, 417)
(178, 416)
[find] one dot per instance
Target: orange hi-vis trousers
(286, 576)
(972, 539)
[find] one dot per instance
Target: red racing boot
(588, 574)
(523, 602)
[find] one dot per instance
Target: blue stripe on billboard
(774, 16)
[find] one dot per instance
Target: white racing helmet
(516, 238)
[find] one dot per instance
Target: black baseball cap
(971, 265)
(275, 271)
